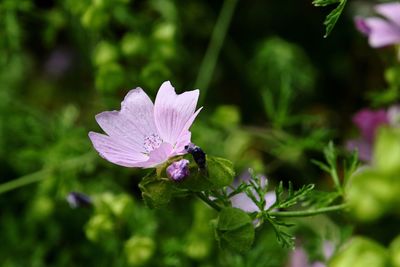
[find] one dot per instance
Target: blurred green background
(274, 93)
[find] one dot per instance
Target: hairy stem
(336, 180)
(44, 173)
(305, 213)
(208, 201)
(210, 59)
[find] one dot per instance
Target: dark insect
(76, 200)
(198, 155)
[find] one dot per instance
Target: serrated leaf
(333, 16)
(321, 165)
(284, 238)
(291, 198)
(324, 2)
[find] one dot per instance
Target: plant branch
(210, 59)
(208, 201)
(44, 173)
(305, 213)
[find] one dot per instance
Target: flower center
(152, 142)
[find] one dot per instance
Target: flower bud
(178, 170)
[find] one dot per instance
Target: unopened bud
(178, 170)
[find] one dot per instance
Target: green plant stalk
(42, 174)
(306, 213)
(335, 178)
(24, 180)
(217, 38)
(208, 201)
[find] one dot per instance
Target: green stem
(305, 213)
(24, 180)
(208, 64)
(208, 201)
(336, 180)
(44, 173)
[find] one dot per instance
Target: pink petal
(390, 10)
(174, 113)
(185, 135)
(243, 202)
(183, 140)
(368, 121)
(363, 147)
(298, 258)
(115, 151)
(382, 33)
(361, 26)
(133, 123)
(158, 156)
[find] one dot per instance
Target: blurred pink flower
(145, 135)
(299, 258)
(367, 121)
(244, 202)
(384, 30)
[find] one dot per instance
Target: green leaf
(332, 17)
(324, 2)
(292, 197)
(156, 192)
(235, 230)
(232, 219)
(219, 173)
(281, 229)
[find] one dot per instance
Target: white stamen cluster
(151, 142)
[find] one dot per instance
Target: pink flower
(382, 31)
(368, 122)
(244, 202)
(299, 257)
(145, 135)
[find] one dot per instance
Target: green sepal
(234, 230)
(156, 192)
(219, 173)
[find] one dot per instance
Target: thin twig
(305, 213)
(217, 39)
